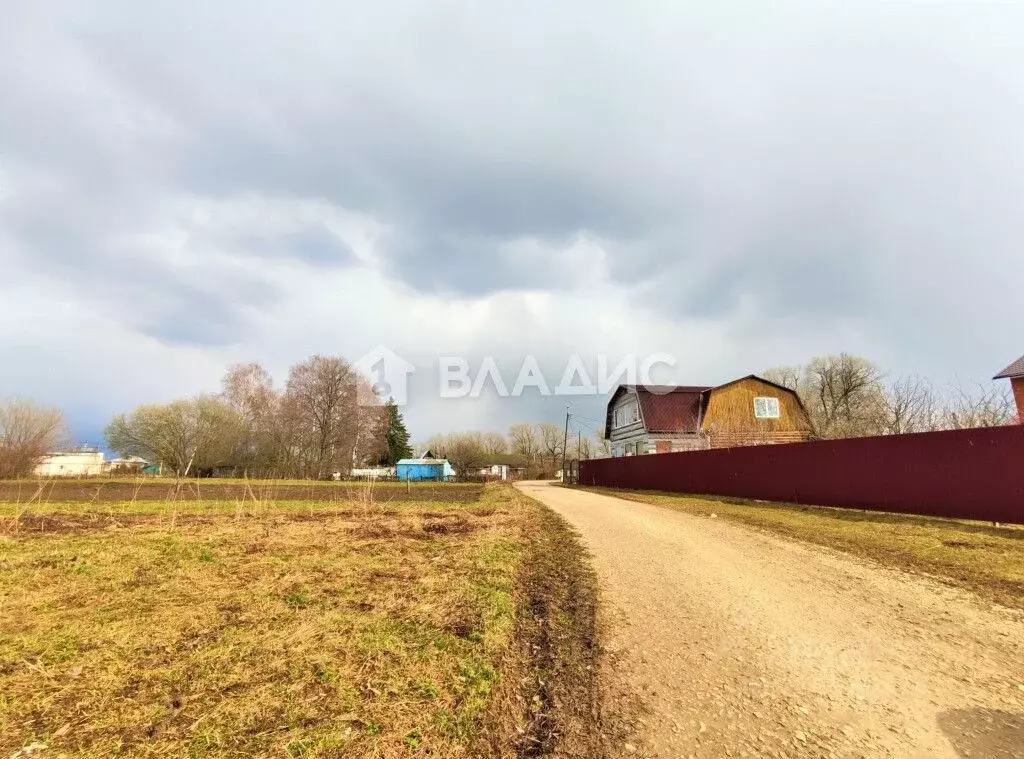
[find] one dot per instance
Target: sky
(186, 185)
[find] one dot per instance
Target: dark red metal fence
(969, 474)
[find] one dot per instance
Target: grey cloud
(314, 246)
(201, 305)
(609, 129)
(741, 161)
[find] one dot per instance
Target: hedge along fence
(967, 474)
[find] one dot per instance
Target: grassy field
(328, 627)
(988, 560)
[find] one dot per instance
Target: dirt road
(744, 644)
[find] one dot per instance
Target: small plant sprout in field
(365, 496)
(413, 738)
(37, 498)
(426, 689)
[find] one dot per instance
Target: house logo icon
(388, 374)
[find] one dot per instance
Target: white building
(127, 465)
(85, 462)
(369, 473)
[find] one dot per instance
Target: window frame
(769, 403)
(626, 414)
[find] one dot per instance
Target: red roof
(665, 408)
(671, 409)
(1016, 369)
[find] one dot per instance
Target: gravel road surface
(741, 643)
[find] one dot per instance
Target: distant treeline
(325, 419)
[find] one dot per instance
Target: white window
(626, 414)
(766, 408)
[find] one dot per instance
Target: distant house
(503, 468)
(424, 469)
(1015, 373)
(83, 462)
(369, 473)
(127, 465)
(666, 418)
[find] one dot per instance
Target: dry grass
(986, 559)
(259, 629)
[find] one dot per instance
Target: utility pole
(565, 441)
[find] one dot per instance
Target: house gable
(624, 416)
(752, 410)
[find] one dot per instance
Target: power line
(590, 419)
(580, 427)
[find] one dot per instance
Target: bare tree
(985, 406)
(330, 427)
(581, 448)
(787, 376)
(846, 395)
(495, 444)
(466, 451)
(909, 406)
(27, 432)
(523, 442)
(551, 437)
(185, 435)
(249, 390)
(843, 394)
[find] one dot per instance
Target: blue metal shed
(424, 469)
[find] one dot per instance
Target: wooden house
(666, 418)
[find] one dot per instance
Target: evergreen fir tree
(397, 436)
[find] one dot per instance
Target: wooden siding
(729, 417)
(627, 432)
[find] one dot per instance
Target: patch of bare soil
(84, 491)
(375, 527)
(61, 522)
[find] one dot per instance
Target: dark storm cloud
(819, 162)
(604, 128)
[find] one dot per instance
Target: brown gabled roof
(1016, 369)
(671, 409)
(664, 408)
